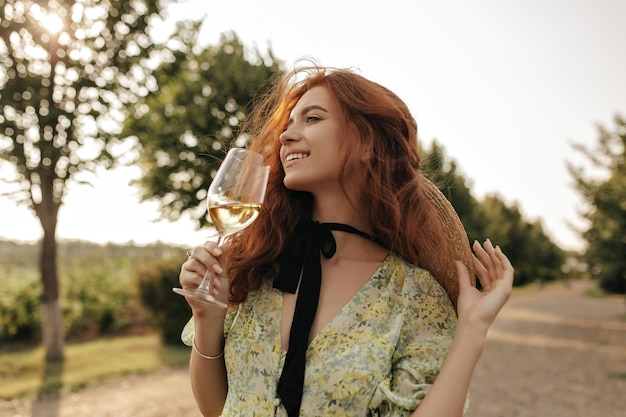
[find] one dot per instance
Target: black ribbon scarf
(302, 256)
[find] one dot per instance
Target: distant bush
(20, 315)
(96, 302)
(168, 312)
(97, 288)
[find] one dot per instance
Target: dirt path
(554, 353)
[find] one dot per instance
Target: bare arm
(476, 310)
(208, 375)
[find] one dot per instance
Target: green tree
(68, 69)
(443, 171)
(606, 209)
(534, 256)
(185, 128)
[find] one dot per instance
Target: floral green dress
(377, 357)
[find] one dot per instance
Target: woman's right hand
(208, 257)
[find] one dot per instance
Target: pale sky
(504, 86)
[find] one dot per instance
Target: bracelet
(195, 348)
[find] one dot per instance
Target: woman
(331, 311)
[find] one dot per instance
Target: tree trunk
(47, 210)
(52, 326)
(51, 313)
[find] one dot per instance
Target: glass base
(200, 295)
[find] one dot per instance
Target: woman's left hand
(495, 272)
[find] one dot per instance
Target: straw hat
(443, 267)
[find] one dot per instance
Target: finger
(497, 269)
(219, 287)
(217, 269)
(194, 267)
(483, 265)
(482, 274)
(206, 255)
(199, 261)
(506, 263)
(462, 275)
(192, 271)
(486, 254)
(216, 284)
(212, 248)
(493, 261)
(508, 270)
(481, 254)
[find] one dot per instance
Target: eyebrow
(306, 110)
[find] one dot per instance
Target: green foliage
(98, 291)
(168, 312)
(64, 93)
(21, 291)
(19, 307)
(606, 208)
(95, 302)
(185, 127)
(532, 253)
(534, 256)
(443, 172)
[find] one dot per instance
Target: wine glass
(233, 202)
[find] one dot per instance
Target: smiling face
(313, 145)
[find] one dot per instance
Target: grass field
(24, 372)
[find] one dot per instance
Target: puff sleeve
(426, 335)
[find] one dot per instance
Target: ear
(366, 155)
(367, 152)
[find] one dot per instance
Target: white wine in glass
(230, 218)
(234, 200)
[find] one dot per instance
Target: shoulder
(411, 277)
(415, 284)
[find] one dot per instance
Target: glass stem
(205, 285)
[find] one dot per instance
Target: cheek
(281, 154)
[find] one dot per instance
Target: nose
(289, 135)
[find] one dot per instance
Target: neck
(339, 210)
(356, 246)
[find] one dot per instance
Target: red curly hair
(400, 216)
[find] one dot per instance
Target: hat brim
(443, 267)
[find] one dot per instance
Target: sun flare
(53, 23)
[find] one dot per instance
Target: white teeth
(293, 156)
